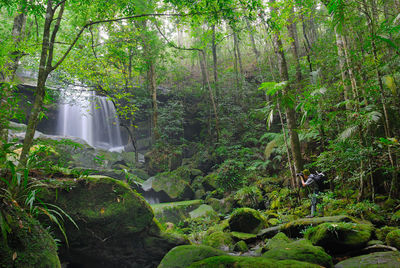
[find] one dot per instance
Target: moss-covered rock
(340, 237)
(28, 244)
(110, 216)
(246, 220)
(248, 262)
(219, 240)
(175, 212)
(393, 238)
(241, 246)
(237, 236)
(222, 206)
(183, 256)
(279, 240)
(204, 211)
(389, 259)
(301, 250)
(171, 184)
(381, 233)
(296, 227)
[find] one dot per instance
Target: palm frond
(348, 133)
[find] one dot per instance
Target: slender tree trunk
(45, 67)
(290, 112)
(151, 79)
(203, 64)
(254, 47)
(215, 62)
(236, 67)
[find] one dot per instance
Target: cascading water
(89, 117)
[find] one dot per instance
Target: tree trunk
(254, 46)
(215, 62)
(290, 112)
(203, 64)
(343, 69)
(292, 28)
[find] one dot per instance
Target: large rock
(381, 233)
(301, 250)
(389, 259)
(169, 183)
(248, 262)
(162, 159)
(183, 256)
(28, 244)
(246, 220)
(340, 237)
(219, 240)
(175, 212)
(116, 225)
(296, 227)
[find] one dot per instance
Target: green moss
(30, 244)
(243, 236)
(219, 239)
(246, 220)
(248, 262)
(339, 237)
(279, 240)
(296, 227)
(183, 256)
(204, 211)
(393, 238)
(172, 185)
(240, 246)
(301, 250)
(175, 212)
(222, 206)
(382, 232)
(389, 259)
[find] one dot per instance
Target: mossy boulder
(248, 262)
(301, 250)
(296, 227)
(28, 244)
(279, 240)
(381, 233)
(390, 259)
(183, 256)
(170, 184)
(246, 220)
(175, 212)
(393, 238)
(219, 240)
(237, 236)
(341, 236)
(222, 206)
(204, 211)
(110, 216)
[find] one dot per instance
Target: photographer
(314, 181)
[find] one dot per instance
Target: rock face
(389, 259)
(183, 256)
(176, 211)
(340, 237)
(116, 225)
(246, 220)
(28, 243)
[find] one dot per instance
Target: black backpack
(319, 179)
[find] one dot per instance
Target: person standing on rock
(314, 181)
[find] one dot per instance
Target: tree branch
(114, 20)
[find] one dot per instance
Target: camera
(299, 174)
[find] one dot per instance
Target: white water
(92, 118)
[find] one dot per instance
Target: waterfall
(92, 118)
